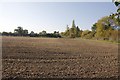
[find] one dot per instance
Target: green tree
(5, 33)
(73, 30)
(32, 34)
(117, 3)
(25, 32)
(94, 27)
(72, 33)
(19, 31)
(73, 24)
(67, 32)
(78, 33)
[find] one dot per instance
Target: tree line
(24, 32)
(106, 28)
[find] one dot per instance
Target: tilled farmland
(28, 57)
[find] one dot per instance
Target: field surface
(27, 57)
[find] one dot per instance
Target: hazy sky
(51, 16)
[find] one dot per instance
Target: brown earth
(27, 57)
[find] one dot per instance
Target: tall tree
(73, 30)
(73, 24)
(19, 31)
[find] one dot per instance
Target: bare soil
(28, 57)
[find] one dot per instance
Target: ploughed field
(28, 57)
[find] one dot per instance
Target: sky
(57, 0)
(52, 16)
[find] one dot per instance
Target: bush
(87, 34)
